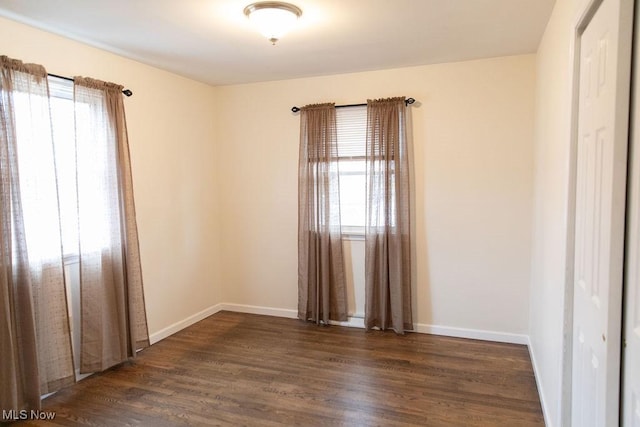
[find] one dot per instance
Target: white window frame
(62, 89)
(351, 123)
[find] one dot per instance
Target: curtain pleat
(387, 228)
(113, 318)
(321, 276)
(35, 341)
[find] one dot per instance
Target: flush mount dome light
(273, 18)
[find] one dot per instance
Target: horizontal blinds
(351, 123)
(60, 88)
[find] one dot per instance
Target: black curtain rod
(127, 92)
(407, 101)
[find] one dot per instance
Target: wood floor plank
(240, 369)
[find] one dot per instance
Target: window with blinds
(30, 161)
(351, 123)
(63, 124)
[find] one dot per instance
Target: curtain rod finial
(127, 92)
(295, 109)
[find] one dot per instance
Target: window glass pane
(36, 170)
(39, 193)
(351, 131)
(97, 199)
(62, 116)
(352, 193)
(64, 140)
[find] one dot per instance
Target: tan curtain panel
(114, 324)
(387, 228)
(321, 277)
(35, 342)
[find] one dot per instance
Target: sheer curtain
(113, 314)
(321, 277)
(35, 341)
(387, 229)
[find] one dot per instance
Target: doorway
(597, 247)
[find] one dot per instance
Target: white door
(602, 127)
(631, 336)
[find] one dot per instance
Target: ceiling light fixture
(273, 18)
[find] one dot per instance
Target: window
(35, 152)
(62, 118)
(351, 132)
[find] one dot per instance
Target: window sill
(70, 259)
(352, 233)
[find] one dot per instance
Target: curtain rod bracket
(407, 102)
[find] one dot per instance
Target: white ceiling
(212, 41)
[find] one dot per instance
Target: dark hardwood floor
(240, 369)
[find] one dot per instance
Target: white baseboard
(543, 400)
(178, 326)
(474, 334)
(254, 309)
(354, 322)
(357, 321)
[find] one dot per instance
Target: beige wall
(171, 123)
(215, 174)
(551, 202)
(473, 136)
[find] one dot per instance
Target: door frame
(584, 15)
